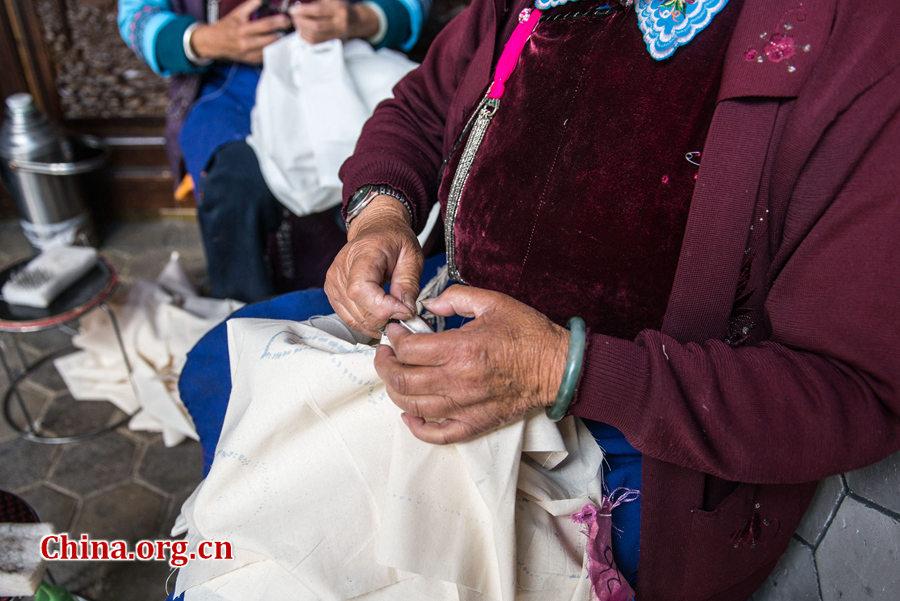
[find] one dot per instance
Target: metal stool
(90, 292)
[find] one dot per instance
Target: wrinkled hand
(381, 247)
(236, 38)
(333, 20)
(505, 363)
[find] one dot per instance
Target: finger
(315, 28)
(353, 320)
(421, 349)
(266, 25)
(364, 290)
(259, 42)
(407, 381)
(406, 275)
(335, 290)
(446, 432)
(243, 11)
(313, 10)
(427, 407)
(466, 301)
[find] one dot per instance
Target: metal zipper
(483, 115)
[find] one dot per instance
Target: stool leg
(19, 353)
(115, 324)
(7, 415)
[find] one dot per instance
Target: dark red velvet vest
(589, 145)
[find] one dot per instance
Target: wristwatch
(366, 194)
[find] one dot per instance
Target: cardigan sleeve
(821, 396)
(400, 145)
(155, 33)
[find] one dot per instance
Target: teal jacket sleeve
(156, 33)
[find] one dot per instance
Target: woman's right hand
(381, 246)
(236, 38)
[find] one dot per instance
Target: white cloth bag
(325, 495)
(311, 104)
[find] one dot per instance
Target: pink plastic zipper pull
(528, 21)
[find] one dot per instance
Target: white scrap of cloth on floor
(160, 322)
(311, 104)
(325, 495)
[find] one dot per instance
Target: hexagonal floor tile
(879, 483)
(24, 463)
(47, 378)
(94, 464)
(137, 581)
(129, 512)
(15, 245)
(793, 579)
(172, 469)
(65, 415)
(81, 577)
(858, 556)
(828, 497)
(51, 506)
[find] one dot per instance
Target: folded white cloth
(311, 104)
(325, 495)
(47, 275)
(160, 322)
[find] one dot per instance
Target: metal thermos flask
(44, 171)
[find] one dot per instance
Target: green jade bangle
(572, 373)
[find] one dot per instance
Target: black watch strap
(366, 194)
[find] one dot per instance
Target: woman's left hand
(505, 363)
(333, 20)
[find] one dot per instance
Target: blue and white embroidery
(666, 24)
(548, 4)
(670, 24)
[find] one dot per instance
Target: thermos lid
(18, 103)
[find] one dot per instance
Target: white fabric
(160, 322)
(311, 104)
(325, 495)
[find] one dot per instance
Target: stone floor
(847, 547)
(128, 485)
(125, 484)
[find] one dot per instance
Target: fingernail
(427, 303)
(410, 301)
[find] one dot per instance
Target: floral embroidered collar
(665, 24)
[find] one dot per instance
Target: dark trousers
(237, 212)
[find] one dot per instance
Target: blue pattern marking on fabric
(669, 24)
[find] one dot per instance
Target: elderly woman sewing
(674, 219)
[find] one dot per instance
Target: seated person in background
(213, 52)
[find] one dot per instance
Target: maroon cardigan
(767, 374)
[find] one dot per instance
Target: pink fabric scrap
(607, 581)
